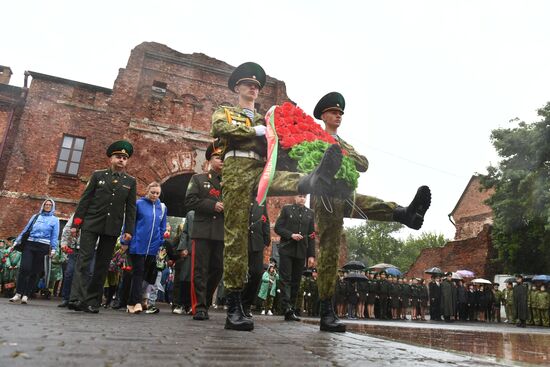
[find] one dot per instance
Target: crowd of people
(120, 252)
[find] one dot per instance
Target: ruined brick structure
(471, 248)
(55, 131)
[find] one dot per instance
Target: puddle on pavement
(518, 347)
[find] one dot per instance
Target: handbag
(25, 237)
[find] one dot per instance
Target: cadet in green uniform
(508, 295)
(543, 305)
(296, 228)
(205, 198)
(107, 204)
(329, 218)
(531, 305)
(242, 131)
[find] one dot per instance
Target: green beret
(331, 101)
(120, 147)
(249, 71)
(213, 149)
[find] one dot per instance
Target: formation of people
(225, 232)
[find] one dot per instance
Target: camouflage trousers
(329, 217)
(240, 178)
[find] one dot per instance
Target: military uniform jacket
(259, 229)
(108, 203)
(296, 219)
(236, 130)
(203, 192)
(361, 162)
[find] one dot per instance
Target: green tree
(521, 202)
(374, 242)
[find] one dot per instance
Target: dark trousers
(32, 264)
(143, 267)
(290, 272)
(68, 275)
(91, 293)
(463, 311)
(383, 308)
(206, 271)
(255, 272)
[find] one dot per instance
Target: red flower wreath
(294, 126)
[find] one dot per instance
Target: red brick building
(55, 131)
(471, 248)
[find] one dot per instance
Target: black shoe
(329, 320)
(291, 316)
(75, 306)
(63, 303)
(413, 215)
(321, 180)
(91, 309)
(235, 319)
(200, 315)
(246, 311)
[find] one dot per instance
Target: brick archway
(173, 194)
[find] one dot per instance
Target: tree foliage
(521, 202)
(375, 242)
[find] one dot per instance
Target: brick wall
(169, 130)
(475, 254)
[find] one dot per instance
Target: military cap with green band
(249, 71)
(330, 101)
(120, 147)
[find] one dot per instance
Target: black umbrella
(355, 276)
(354, 265)
(434, 270)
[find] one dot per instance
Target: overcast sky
(425, 82)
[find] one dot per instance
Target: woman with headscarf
(39, 239)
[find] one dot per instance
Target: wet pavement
(506, 343)
(40, 334)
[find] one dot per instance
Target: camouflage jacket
(236, 131)
(361, 162)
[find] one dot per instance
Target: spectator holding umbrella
(520, 301)
(435, 298)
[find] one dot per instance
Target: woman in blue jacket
(42, 241)
(145, 244)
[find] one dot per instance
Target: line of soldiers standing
(381, 296)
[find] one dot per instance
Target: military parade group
(224, 234)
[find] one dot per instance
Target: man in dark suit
(259, 238)
(295, 226)
(107, 204)
(204, 196)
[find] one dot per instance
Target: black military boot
(235, 319)
(329, 320)
(321, 180)
(246, 311)
(413, 215)
(291, 316)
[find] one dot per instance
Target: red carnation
(312, 235)
(77, 221)
(3, 259)
(264, 218)
(166, 235)
(214, 192)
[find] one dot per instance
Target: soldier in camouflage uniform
(242, 131)
(497, 302)
(330, 218)
(508, 296)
